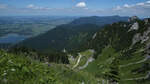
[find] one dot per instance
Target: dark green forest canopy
(70, 36)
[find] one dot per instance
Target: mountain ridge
(73, 30)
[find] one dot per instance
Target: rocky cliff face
(133, 18)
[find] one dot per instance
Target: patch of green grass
(103, 62)
(126, 72)
(136, 56)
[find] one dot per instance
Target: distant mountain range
(100, 21)
(70, 36)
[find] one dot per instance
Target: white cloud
(81, 4)
(148, 2)
(117, 8)
(137, 5)
(31, 6)
(126, 6)
(140, 4)
(139, 9)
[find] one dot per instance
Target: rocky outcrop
(147, 21)
(143, 38)
(135, 26)
(94, 36)
(133, 18)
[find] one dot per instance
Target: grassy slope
(19, 69)
(101, 67)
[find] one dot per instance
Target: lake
(12, 38)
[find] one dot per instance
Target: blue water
(12, 38)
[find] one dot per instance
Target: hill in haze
(70, 36)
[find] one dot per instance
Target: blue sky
(76, 7)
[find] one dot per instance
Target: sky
(139, 8)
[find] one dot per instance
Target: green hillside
(70, 36)
(118, 53)
(20, 69)
(121, 55)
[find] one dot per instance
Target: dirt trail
(78, 61)
(86, 64)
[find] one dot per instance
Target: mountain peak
(133, 18)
